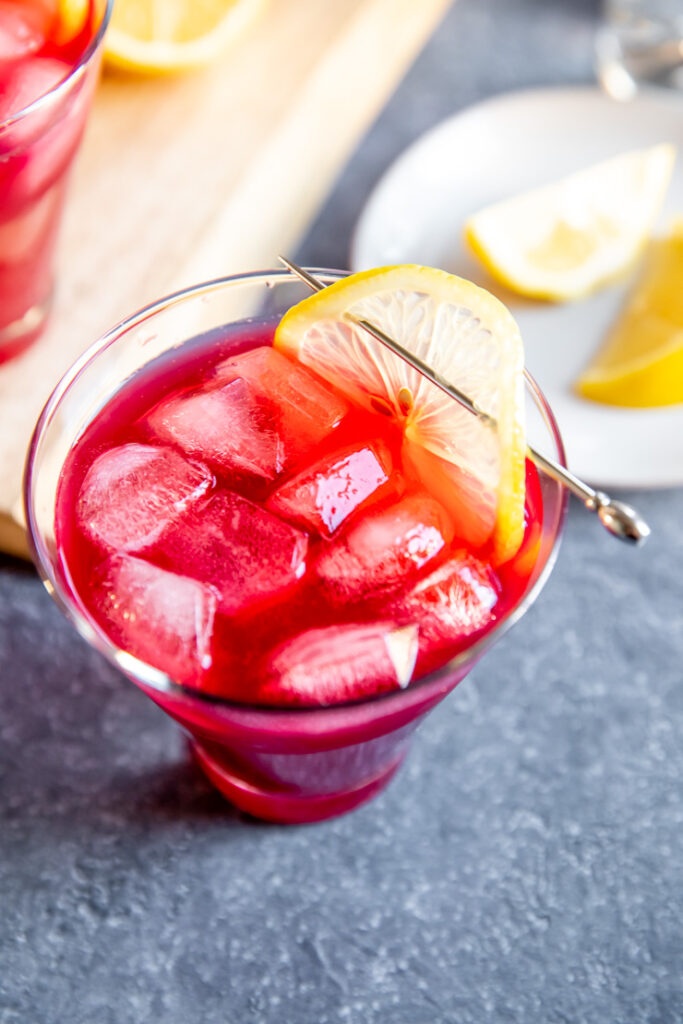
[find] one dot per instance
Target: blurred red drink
(47, 75)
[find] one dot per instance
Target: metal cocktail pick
(620, 519)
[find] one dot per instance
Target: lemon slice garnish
(569, 238)
(463, 333)
(70, 19)
(175, 35)
(641, 360)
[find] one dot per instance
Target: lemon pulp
(568, 238)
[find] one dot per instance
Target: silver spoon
(618, 518)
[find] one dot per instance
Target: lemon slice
(641, 361)
(564, 240)
(175, 35)
(476, 470)
(70, 19)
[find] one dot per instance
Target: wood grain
(185, 179)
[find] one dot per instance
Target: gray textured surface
(525, 865)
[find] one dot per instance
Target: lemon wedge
(641, 360)
(156, 36)
(476, 470)
(564, 240)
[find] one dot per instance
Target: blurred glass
(38, 143)
(640, 43)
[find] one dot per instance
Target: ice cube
(230, 427)
(28, 81)
(384, 550)
(247, 554)
(450, 605)
(132, 493)
(305, 409)
(324, 496)
(260, 416)
(22, 33)
(339, 663)
(162, 618)
(37, 149)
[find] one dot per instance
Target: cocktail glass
(286, 765)
(37, 148)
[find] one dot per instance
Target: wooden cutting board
(184, 179)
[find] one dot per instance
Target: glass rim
(157, 680)
(63, 85)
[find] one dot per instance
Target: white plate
(493, 150)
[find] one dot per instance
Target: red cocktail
(48, 67)
(249, 544)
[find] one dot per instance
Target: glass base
(287, 806)
(16, 337)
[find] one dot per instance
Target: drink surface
(36, 150)
(235, 521)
